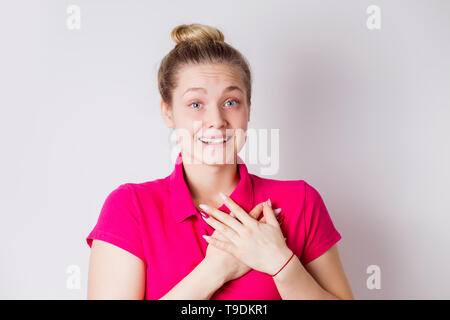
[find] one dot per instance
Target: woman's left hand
(259, 245)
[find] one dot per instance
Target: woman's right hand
(224, 264)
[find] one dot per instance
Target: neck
(206, 181)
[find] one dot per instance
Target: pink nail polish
(204, 214)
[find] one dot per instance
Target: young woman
(148, 244)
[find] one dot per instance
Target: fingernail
(269, 203)
(277, 211)
(224, 197)
(232, 214)
(204, 215)
(204, 206)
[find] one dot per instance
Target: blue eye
(194, 103)
(197, 105)
(236, 101)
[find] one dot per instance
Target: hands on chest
(240, 242)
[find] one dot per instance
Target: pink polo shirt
(158, 222)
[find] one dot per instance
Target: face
(209, 113)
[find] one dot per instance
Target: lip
(217, 137)
(214, 137)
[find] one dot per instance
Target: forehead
(204, 75)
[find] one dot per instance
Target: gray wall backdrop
(363, 116)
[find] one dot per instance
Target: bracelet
(284, 265)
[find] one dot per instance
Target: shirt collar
(181, 201)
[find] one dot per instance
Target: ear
(167, 114)
(248, 116)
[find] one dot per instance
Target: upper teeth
(217, 140)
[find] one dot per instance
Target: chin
(216, 157)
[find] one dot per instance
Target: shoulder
(287, 187)
(298, 192)
(156, 186)
(285, 194)
(153, 190)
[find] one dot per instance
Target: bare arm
(115, 273)
(322, 278)
(200, 284)
(329, 273)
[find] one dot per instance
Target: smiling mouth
(215, 141)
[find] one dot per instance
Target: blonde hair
(199, 44)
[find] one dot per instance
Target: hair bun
(195, 31)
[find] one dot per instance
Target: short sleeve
(118, 222)
(320, 232)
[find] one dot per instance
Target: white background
(363, 116)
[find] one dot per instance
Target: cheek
(239, 120)
(241, 125)
(183, 118)
(240, 137)
(182, 127)
(191, 121)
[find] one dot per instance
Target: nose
(215, 118)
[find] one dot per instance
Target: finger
(257, 210)
(276, 211)
(223, 217)
(237, 210)
(222, 228)
(269, 214)
(218, 235)
(222, 245)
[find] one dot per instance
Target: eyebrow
(227, 89)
